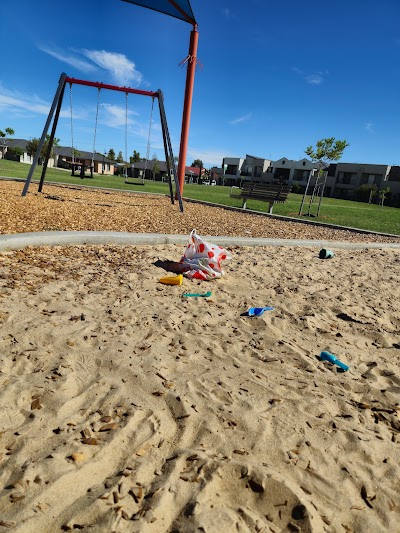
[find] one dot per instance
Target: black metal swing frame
(55, 113)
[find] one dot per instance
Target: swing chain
(95, 125)
(148, 139)
(72, 125)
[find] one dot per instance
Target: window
(346, 177)
(232, 170)
(300, 174)
(304, 163)
(257, 172)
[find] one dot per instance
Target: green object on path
(195, 295)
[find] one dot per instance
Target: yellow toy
(172, 280)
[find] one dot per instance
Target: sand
(71, 208)
(126, 407)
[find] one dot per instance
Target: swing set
(54, 116)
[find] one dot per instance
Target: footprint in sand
(212, 496)
(239, 498)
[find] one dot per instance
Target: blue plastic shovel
(327, 356)
(258, 311)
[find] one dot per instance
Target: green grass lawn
(333, 211)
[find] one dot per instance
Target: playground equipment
(131, 180)
(55, 113)
(182, 10)
(318, 191)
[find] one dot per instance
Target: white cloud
(241, 119)
(369, 127)
(114, 116)
(73, 60)
(314, 79)
(15, 102)
(209, 157)
(21, 105)
(120, 67)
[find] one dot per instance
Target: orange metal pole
(187, 106)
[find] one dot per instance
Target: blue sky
(277, 76)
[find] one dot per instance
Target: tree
(56, 143)
(155, 167)
(75, 153)
(382, 195)
(197, 163)
(111, 154)
(14, 153)
(135, 157)
(3, 138)
(325, 151)
(120, 157)
(33, 144)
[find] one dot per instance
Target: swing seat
(131, 181)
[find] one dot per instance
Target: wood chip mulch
(73, 209)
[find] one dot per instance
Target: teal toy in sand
(326, 254)
(197, 295)
(327, 356)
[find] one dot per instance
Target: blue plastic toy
(198, 295)
(327, 356)
(258, 311)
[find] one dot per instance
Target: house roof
(255, 157)
(217, 170)
(14, 143)
(285, 158)
(66, 151)
(141, 165)
(195, 170)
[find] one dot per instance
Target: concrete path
(62, 238)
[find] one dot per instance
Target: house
(216, 174)
(253, 168)
(101, 164)
(21, 144)
(62, 157)
(148, 170)
(250, 168)
(394, 183)
(194, 174)
(145, 170)
(291, 171)
(350, 176)
(346, 177)
(282, 169)
(232, 167)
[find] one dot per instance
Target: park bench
(264, 192)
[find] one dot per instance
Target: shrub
(365, 192)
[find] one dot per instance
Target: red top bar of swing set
(111, 87)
